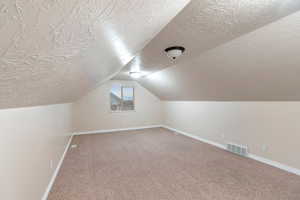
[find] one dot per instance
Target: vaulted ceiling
(205, 24)
(263, 65)
(235, 51)
(54, 51)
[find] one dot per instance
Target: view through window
(122, 98)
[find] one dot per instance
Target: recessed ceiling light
(175, 51)
(135, 74)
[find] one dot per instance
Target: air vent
(237, 149)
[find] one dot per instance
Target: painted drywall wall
(29, 139)
(270, 129)
(260, 66)
(92, 112)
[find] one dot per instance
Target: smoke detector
(174, 52)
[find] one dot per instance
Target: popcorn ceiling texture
(206, 24)
(260, 66)
(52, 51)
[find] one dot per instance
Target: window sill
(125, 111)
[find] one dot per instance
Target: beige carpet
(156, 164)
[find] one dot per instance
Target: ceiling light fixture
(135, 74)
(175, 51)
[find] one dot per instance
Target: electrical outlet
(51, 164)
(264, 147)
(73, 146)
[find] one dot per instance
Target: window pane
(121, 98)
(128, 98)
(127, 93)
(116, 98)
(116, 90)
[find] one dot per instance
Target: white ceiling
(206, 24)
(235, 51)
(263, 65)
(54, 51)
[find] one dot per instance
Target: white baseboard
(45, 196)
(196, 137)
(252, 156)
(116, 130)
(275, 164)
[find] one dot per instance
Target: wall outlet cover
(264, 147)
(51, 164)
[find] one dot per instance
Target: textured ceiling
(263, 65)
(53, 51)
(206, 24)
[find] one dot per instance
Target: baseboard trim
(252, 156)
(45, 196)
(275, 164)
(196, 137)
(117, 130)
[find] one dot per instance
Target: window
(122, 98)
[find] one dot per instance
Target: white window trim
(123, 111)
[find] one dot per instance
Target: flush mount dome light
(135, 74)
(175, 51)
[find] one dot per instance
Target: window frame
(121, 110)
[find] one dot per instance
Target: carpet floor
(157, 164)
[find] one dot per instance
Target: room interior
(161, 99)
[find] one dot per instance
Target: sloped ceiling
(53, 51)
(225, 59)
(206, 24)
(263, 65)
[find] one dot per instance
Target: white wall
(29, 139)
(274, 124)
(92, 112)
